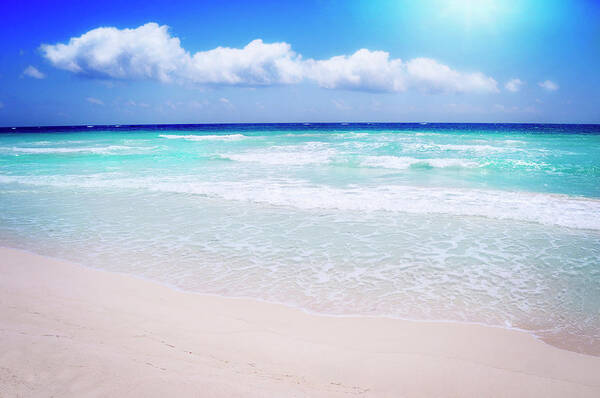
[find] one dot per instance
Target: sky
(142, 62)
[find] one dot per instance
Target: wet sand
(67, 330)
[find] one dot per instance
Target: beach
(300, 260)
(495, 224)
(300, 199)
(68, 330)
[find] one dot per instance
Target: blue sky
(117, 62)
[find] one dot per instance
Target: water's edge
(308, 311)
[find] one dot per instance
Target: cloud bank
(149, 52)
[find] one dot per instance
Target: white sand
(66, 330)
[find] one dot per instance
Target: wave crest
(404, 162)
(192, 137)
(549, 209)
(102, 150)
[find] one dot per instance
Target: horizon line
(342, 123)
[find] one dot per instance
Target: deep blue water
(523, 128)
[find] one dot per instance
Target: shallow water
(498, 224)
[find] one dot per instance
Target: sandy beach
(281, 199)
(68, 330)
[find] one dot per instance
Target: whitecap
(228, 137)
(309, 153)
(104, 150)
(550, 209)
(403, 162)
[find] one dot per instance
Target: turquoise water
(495, 224)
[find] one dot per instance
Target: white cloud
(548, 85)
(255, 64)
(147, 52)
(150, 52)
(514, 85)
(32, 71)
(376, 71)
(428, 74)
(226, 102)
(363, 70)
(94, 101)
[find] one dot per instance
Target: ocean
(497, 224)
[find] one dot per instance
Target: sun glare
(471, 13)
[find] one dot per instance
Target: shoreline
(107, 333)
(556, 343)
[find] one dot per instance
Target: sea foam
(102, 150)
(292, 155)
(549, 209)
(404, 162)
(193, 137)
